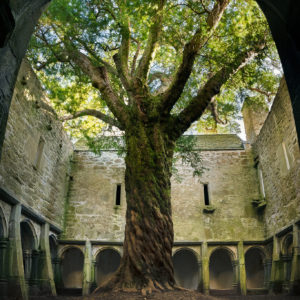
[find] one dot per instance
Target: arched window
(255, 272)
(107, 263)
(72, 269)
(28, 244)
(221, 274)
(186, 269)
(53, 250)
(3, 225)
(287, 256)
(2, 234)
(3, 247)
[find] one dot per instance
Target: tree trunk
(147, 253)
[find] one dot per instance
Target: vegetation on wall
(150, 70)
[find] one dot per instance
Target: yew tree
(151, 69)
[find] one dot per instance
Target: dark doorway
(107, 262)
(255, 272)
(220, 270)
(53, 253)
(186, 269)
(28, 244)
(72, 271)
(287, 257)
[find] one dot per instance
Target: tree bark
(147, 252)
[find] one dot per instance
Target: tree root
(114, 284)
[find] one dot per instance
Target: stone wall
(91, 212)
(208, 142)
(232, 184)
(254, 118)
(36, 152)
(279, 157)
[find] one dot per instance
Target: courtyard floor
(174, 295)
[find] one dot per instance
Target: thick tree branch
(94, 113)
(213, 107)
(125, 44)
(121, 58)
(100, 80)
(133, 65)
(155, 29)
(190, 52)
(108, 66)
(98, 76)
(123, 74)
(199, 103)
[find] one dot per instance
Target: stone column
(57, 274)
(93, 276)
(276, 269)
(17, 286)
(287, 263)
(87, 269)
(27, 262)
(235, 267)
(47, 285)
(242, 269)
(295, 271)
(3, 266)
(267, 272)
(33, 280)
(205, 268)
(200, 285)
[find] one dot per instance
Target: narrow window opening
(260, 177)
(118, 194)
(286, 156)
(206, 195)
(261, 182)
(39, 153)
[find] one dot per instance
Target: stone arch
(104, 248)
(232, 255)
(28, 229)
(3, 225)
(255, 267)
(72, 260)
(197, 255)
(221, 270)
(29, 244)
(62, 250)
(53, 246)
(287, 255)
(287, 245)
(107, 263)
(186, 269)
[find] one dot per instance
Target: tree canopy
(98, 29)
(151, 69)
